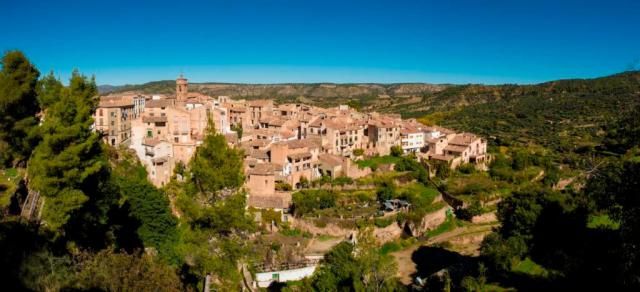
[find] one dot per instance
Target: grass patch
(383, 222)
(529, 267)
(294, 233)
(397, 245)
(602, 222)
(427, 193)
(325, 237)
(390, 247)
(376, 161)
(449, 224)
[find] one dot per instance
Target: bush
(358, 152)
(281, 186)
(467, 168)
(386, 191)
(382, 222)
(306, 201)
(396, 151)
(342, 180)
(468, 213)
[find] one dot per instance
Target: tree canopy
(215, 166)
(66, 165)
(18, 107)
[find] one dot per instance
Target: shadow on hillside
(431, 260)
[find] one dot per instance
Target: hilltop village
(285, 145)
(203, 193)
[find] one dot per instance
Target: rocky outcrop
(388, 233)
(485, 218)
(329, 229)
(382, 235)
(428, 222)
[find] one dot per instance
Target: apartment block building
(113, 118)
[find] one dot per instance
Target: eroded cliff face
(428, 222)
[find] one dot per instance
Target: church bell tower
(181, 88)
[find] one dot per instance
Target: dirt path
(563, 183)
(406, 266)
(317, 246)
(538, 177)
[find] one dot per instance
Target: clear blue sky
(335, 41)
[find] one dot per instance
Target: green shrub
(467, 168)
(306, 201)
(342, 180)
(282, 186)
(382, 222)
(396, 151)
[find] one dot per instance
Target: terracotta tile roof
(156, 103)
(259, 154)
(269, 202)
(286, 134)
(273, 121)
(262, 169)
(441, 157)
(148, 119)
(330, 160)
(308, 142)
(237, 108)
(287, 107)
(277, 167)
(463, 139)
(297, 156)
(260, 103)
(317, 123)
(455, 148)
(116, 101)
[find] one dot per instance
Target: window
(175, 139)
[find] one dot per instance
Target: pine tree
(215, 166)
(66, 165)
(49, 90)
(18, 108)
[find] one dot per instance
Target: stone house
(113, 119)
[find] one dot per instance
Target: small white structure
(264, 279)
(412, 140)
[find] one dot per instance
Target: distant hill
(567, 116)
(314, 93)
